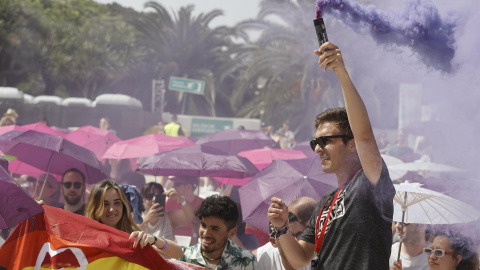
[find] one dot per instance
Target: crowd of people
(349, 228)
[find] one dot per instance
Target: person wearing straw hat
(7, 121)
(12, 114)
(351, 226)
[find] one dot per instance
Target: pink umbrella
(145, 146)
(94, 139)
(261, 158)
(42, 128)
(6, 129)
(18, 167)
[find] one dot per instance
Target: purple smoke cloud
(418, 26)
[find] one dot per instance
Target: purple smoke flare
(418, 26)
(318, 11)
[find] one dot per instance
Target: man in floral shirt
(218, 218)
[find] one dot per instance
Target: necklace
(210, 259)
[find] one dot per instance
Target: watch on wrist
(154, 240)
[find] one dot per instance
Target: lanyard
(319, 239)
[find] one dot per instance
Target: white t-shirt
(161, 229)
(419, 262)
(287, 138)
(271, 259)
(267, 247)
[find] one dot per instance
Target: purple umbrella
(285, 179)
(15, 204)
(305, 148)
(52, 154)
(3, 163)
(234, 140)
(198, 160)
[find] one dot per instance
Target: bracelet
(154, 240)
(165, 246)
(281, 231)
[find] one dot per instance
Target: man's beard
(221, 245)
(72, 201)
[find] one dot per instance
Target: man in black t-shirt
(351, 226)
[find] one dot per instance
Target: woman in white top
(155, 221)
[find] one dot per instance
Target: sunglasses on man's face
(76, 185)
(322, 140)
(437, 252)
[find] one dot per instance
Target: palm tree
(186, 46)
(282, 59)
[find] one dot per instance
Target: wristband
(184, 202)
(281, 231)
(165, 246)
(154, 240)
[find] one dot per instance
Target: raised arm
(366, 145)
(182, 217)
(299, 254)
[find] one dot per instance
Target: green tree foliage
(72, 47)
(185, 45)
(278, 79)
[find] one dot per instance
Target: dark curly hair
(464, 247)
(339, 117)
(220, 207)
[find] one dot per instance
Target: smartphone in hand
(160, 199)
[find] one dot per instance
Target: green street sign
(186, 85)
(203, 126)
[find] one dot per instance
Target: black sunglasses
(322, 140)
(149, 196)
(76, 185)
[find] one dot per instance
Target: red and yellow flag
(58, 239)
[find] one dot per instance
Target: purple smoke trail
(418, 26)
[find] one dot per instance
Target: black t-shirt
(359, 234)
(80, 211)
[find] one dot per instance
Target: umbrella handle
(46, 176)
(399, 250)
(403, 219)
